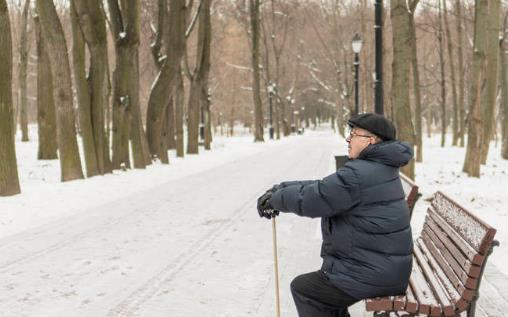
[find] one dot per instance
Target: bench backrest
(410, 191)
(452, 251)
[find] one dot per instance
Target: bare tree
(492, 59)
(400, 76)
(166, 79)
(504, 89)
(416, 83)
(461, 97)
(256, 94)
(127, 123)
(22, 72)
(199, 79)
(440, 40)
(70, 163)
(474, 139)
(83, 95)
(451, 62)
(9, 183)
(178, 100)
(46, 116)
(93, 27)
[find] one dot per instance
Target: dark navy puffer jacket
(367, 241)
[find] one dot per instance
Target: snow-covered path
(193, 246)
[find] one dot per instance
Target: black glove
(264, 207)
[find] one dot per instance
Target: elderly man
(367, 242)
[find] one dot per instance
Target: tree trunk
(126, 109)
(205, 31)
(492, 75)
(164, 158)
(451, 59)
(258, 111)
(70, 163)
(83, 96)
(93, 28)
(504, 90)
(400, 70)
(9, 182)
(170, 123)
(199, 81)
(416, 90)
(22, 72)
(163, 85)
(193, 116)
(461, 101)
(474, 139)
(46, 120)
(208, 123)
(179, 115)
(443, 79)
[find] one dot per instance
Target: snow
(185, 239)
(122, 35)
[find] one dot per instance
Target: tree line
(130, 80)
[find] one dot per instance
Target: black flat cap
(374, 123)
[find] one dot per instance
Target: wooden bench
(410, 188)
(449, 258)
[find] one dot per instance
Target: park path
(193, 246)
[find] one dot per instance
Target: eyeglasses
(352, 135)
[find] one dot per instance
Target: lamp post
(271, 91)
(356, 43)
(378, 82)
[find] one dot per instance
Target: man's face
(358, 140)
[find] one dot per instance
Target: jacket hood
(392, 153)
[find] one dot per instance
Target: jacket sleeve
(333, 195)
(292, 183)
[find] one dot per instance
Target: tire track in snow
(151, 287)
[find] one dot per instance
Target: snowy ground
(185, 239)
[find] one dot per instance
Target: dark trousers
(316, 296)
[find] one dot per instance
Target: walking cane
(276, 264)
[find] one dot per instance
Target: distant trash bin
(340, 160)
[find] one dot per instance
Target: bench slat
(440, 292)
(466, 280)
(379, 304)
(467, 266)
(457, 281)
(436, 267)
(399, 303)
(411, 303)
(464, 246)
(449, 259)
(472, 229)
(422, 290)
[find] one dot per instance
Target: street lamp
(357, 47)
(378, 82)
(271, 91)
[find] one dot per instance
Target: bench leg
(471, 311)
